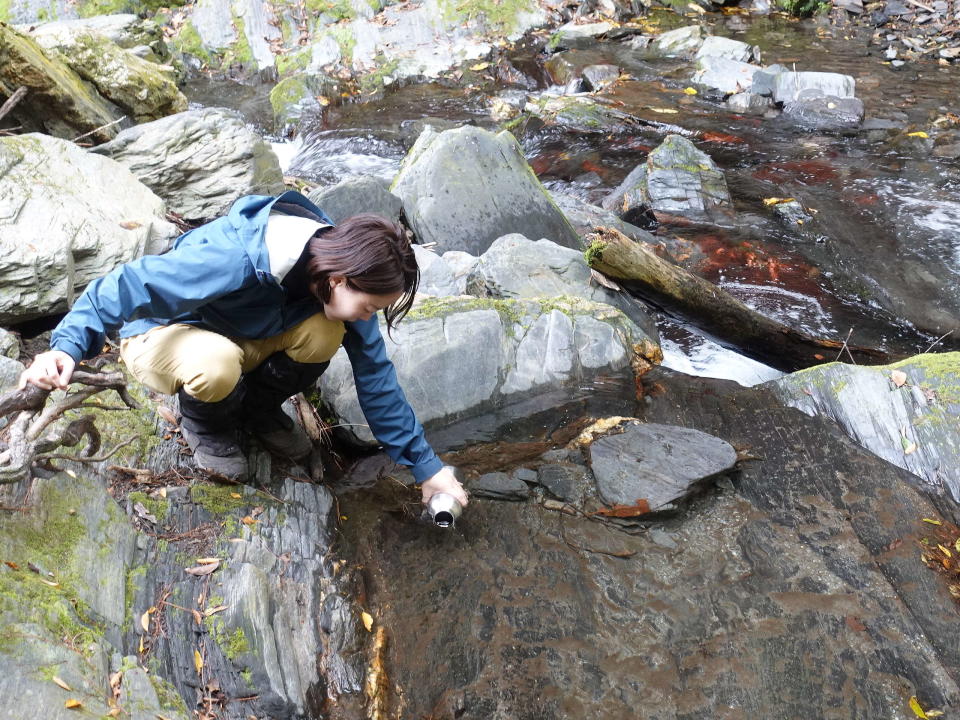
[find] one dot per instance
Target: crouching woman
(247, 310)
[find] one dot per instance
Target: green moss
(158, 507)
(49, 541)
(218, 499)
(168, 696)
(941, 371)
(247, 676)
(500, 16)
(803, 8)
(189, 42)
(338, 9)
(232, 644)
(510, 311)
(293, 62)
(92, 8)
(240, 52)
(287, 93)
(374, 82)
(347, 41)
(4, 10)
(594, 253)
(134, 576)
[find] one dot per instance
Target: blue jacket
(217, 276)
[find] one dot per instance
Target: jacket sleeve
(390, 416)
(160, 286)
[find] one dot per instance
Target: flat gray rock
(657, 463)
(499, 486)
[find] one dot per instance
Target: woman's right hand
(49, 370)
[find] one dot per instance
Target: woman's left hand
(444, 482)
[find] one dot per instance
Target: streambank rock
(126, 30)
(516, 267)
(724, 74)
(659, 464)
(676, 179)
(463, 188)
(68, 619)
(355, 195)
(793, 591)
(199, 161)
(58, 101)
(69, 217)
(529, 347)
(143, 90)
(907, 413)
(581, 114)
(681, 42)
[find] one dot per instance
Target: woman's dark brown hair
(375, 257)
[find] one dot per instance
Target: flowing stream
(882, 245)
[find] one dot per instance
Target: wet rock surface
(782, 594)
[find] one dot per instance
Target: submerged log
(726, 319)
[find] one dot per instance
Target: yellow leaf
(162, 492)
(197, 661)
(61, 683)
(665, 111)
(47, 582)
(367, 620)
(197, 618)
(480, 66)
(247, 520)
(945, 551)
(917, 710)
(208, 561)
(934, 713)
(776, 200)
(919, 134)
(236, 496)
(898, 378)
(72, 704)
(323, 100)
(140, 649)
(696, 8)
(956, 545)
(71, 473)
(145, 620)
(214, 610)
(932, 521)
(690, 91)
(909, 448)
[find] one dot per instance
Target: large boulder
(724, 74)
(463, 188)
(144, 90)
(907, 413)
(581, 115)
(816, 111)
(528, 347)
(516, 267)
(66, 217)
(681, 42)
(787, 86)
(199, 161)
(676, 179)
(58, 101)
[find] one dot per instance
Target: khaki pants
(208, 366)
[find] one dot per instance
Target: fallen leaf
(917, 710)
(247, 520)
(642, 507)
(776, 200)
(722, 137)
(51, 584)
(236, 496)
(909, 447)
(130, 225)
(480, 66)
(145, 620)
(115, 679)
(919, 134)
(898, 378)
(197, 617)
(115, 712)
(208, 560)
(932, 521)
(214, 610)
(944, 550)
(203, 569)
(140, 649)
(690, 91)
(12, 565)
(323, 100)
(162, 492)
(367, 620)
(167, 414)
(143, 513)
(72, 704)
(61, 683)
(664, 111)
(696, 8)
(197, 661)
(934, 713)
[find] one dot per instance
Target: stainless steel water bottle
(444, 509)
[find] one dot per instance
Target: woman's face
(349, 305)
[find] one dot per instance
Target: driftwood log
(23, 439)
(726, 319)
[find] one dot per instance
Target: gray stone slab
(656, 463)
(499, 486)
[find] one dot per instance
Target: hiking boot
(210, 429)
(267, 386)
